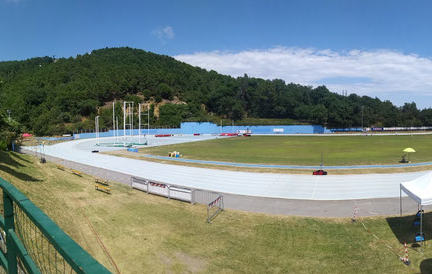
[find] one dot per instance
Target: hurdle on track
(215, 207)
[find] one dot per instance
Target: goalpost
(140, 114)
(127, 120)
(128, 126)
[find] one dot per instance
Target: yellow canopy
(409, 150)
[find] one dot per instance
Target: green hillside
(53, 96)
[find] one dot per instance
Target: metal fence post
(208, 214)
(9, 225)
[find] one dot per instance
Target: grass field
(150, 234)
(305, 150)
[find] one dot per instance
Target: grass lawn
(304, 150)
(150, 234)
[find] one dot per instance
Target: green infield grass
(150, 234)
(305, 150)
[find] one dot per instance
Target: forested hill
(51, 96)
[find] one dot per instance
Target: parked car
(319, 172)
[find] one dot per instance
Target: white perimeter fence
(213, 200)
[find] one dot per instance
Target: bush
(172, 115)
(3, 145)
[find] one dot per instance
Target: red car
(319, 172)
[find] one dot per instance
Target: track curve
(266, 185)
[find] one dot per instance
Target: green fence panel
(34, 242)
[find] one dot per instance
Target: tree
(172, 115)
(319, 114)
(165, 91)
(410, 114)
(237, 112)
(426, 117)
(9, 131)
(87, 107)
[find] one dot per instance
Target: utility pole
(114, 118)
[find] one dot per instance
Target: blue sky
(376, 48)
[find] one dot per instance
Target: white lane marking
(314, 189)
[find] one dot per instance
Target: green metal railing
(30, 242)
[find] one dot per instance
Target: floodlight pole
(362, 108)
(139, 123)
(131, 113)
(114, 132)
(117, 133)
(113, 118)
(97, 129)
(124, 123)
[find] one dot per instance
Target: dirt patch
(182, 261)
(168, 263)
(193, 264)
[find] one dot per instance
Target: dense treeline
(9, 130)
(52, 96)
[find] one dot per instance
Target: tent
(420, 190)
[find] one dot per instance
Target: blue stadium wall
(211, 128)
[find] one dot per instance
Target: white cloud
(381, 73)
(164, 33)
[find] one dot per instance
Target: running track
(266, 185)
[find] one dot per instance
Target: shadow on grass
(17, 155)
(426, 266)
(5, 158)
(8, 160)
(404, 230)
